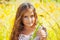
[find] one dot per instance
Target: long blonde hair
(18, 25)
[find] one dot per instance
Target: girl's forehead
(29, 12)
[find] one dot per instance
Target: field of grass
(48, 15)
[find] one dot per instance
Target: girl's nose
(30, 19)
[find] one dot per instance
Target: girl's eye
(25, 16)
(32, 16)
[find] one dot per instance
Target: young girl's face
(28, 18)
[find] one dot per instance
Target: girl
(25, 24)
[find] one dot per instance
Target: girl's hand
(42, 33)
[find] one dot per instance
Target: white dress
(27, 37)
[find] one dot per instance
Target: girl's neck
(28, 28)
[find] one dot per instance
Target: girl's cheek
(33, 19)
(25, 19)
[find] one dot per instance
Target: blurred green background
(48, 12)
